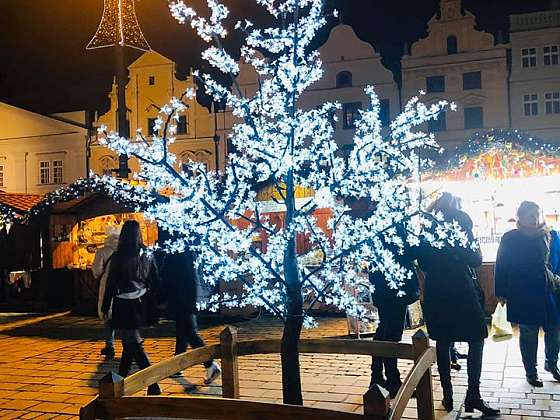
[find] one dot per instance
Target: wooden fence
(115, 398)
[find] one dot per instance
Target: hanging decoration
(119, 26)
(135, 197)
(499, 154)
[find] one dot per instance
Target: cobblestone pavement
(50, 369)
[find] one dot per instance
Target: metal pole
(122, 121)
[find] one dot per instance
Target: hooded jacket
(100, 268)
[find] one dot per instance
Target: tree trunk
(291, 380)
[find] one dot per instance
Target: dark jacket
(180, 281)
(127, 276)
(453, 299)
(520, 278)
(383, 294)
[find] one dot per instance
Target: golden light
(119, 26)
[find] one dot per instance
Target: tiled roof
(21, 203)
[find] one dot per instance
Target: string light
(119, 26)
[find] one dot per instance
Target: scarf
(534, 231)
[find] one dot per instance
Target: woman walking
(521, 279)
(132, 274)
(181, 283)
(454, 306)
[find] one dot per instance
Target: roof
(18, 123)
(535, 21)
(20, 203)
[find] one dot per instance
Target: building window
(1, 176)
(529, 57)
(344, 79)
(474, 117)
(451, 44)
(552, 102)
(350, 114)
(152, 80)
(58, 172)
(151, 126)
(435, 84)
(472, 80)
(551, 55)
(182, 125)
(44, 172)
(440, 124)
(385, 112)
(531, 104)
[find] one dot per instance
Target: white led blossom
(280, 144)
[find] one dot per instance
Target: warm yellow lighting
(119, 26)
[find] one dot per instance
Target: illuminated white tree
(278, 142)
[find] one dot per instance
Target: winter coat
(125, 277)
(100, 268)
(180, 281)
(453, 299)
(520, 277)
(383, 294)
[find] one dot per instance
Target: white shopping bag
(502, 328)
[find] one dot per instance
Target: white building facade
(535, 73)
(459, 63)
(39, 154)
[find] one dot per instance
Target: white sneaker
(212, 373)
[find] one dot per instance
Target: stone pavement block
(527, 413)
(17, 404)
(323, 396)
(336, 406)
(58, 408)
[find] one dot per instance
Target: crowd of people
(131, 290)
(526, 279)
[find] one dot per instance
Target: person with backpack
(133, 278)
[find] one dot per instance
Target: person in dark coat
(454, 306)
(181, 285)
(392, 312)
(133, 276)
(522, 270)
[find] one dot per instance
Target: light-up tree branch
(286, 146)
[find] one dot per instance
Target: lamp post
(119, 29)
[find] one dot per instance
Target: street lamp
(119, 28)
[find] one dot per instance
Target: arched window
(344, 79)
(451, 44)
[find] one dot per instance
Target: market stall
(68, 226)
(492, 174)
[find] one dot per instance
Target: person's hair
(444, 203)
(527, 206)
(130, 239)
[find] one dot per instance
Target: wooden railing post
(111, 386)
(424, 391)
(376, 403)
(230, 371)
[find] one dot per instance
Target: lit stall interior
(492, 175)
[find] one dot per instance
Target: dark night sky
(44, 66)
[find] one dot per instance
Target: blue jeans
(529, 343)
(109, 335)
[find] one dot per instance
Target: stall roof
(19, 203)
